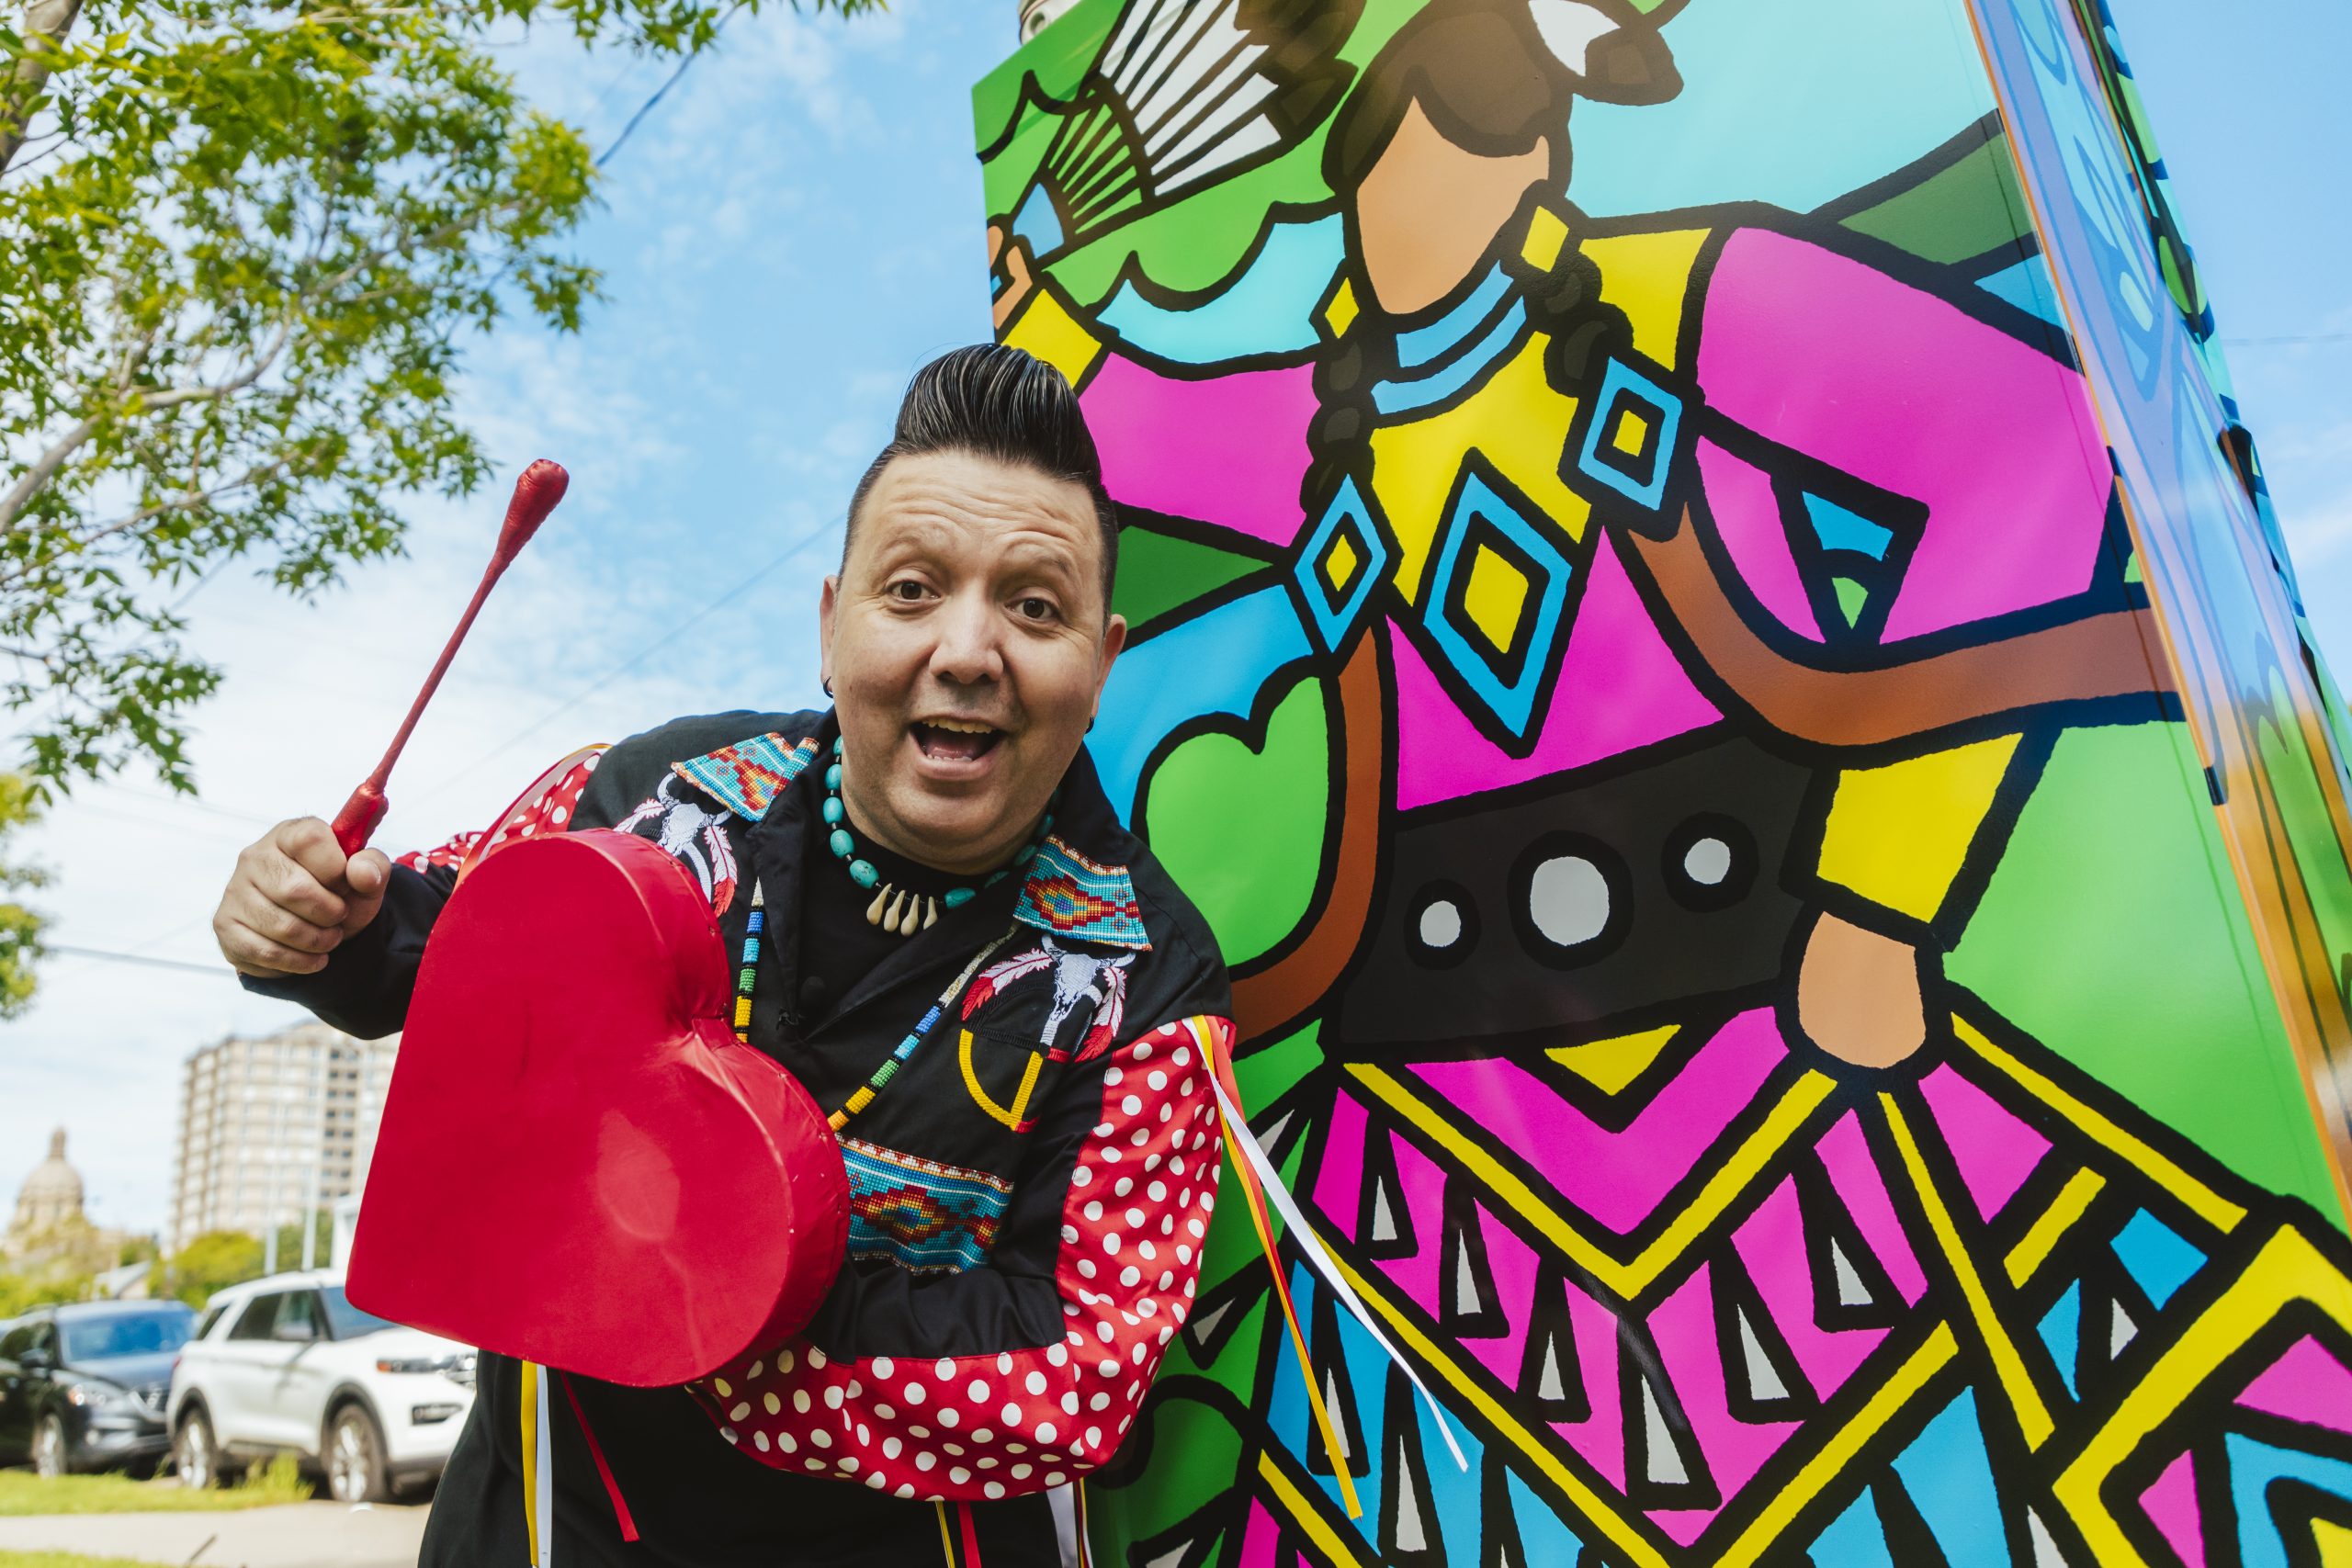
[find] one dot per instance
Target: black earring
(827, 684)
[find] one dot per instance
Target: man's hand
(294, 896)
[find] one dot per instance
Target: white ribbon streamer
(1312, 1245)
(543, 1503)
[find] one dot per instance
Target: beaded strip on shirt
(746, 975)
(752, 929)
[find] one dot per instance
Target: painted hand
(1008, 257)
(1859, 994)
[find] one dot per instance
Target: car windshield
(347, 1322)
(126, 1333)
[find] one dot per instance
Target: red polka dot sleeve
(545, 808)
(1023, 1419)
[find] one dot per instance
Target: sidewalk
(300, 1535)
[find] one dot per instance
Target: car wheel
(193, 1454)
(49, 1447)
(354, 1454)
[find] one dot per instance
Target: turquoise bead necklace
(902, 909)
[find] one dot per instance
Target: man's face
(967, 641)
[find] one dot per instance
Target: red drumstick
(536, 493)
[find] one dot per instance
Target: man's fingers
(367, 873)
(290, 885)
(310, 843)
(248, 950)
(252, 911)
(289, 930)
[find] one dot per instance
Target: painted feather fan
(1187, 90)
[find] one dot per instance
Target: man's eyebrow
(916, 534)
(1033, 554)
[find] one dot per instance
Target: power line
(219, 971)
(2294, 340)
(663, 90)
(617, 671)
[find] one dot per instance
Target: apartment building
(272, 1127)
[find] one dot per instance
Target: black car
(83, 1387)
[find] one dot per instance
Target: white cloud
(2316, 535)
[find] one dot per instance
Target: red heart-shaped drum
(579, 1164)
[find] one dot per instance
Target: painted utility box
(1708, 638)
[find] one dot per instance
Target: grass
(65, 1560)
(22, 1491)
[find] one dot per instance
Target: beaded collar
(1065, 891)
(907, 910)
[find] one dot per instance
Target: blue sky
(791, 233)
(2250, 106)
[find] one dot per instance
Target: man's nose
(968, 651)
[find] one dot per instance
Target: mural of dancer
(1672, 651)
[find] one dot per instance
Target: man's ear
(827, 598)
(1114, 638)
(1613, 59)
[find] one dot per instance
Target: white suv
(286, 1364)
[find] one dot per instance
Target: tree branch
(45, 466)
(46, 24)
(186, 500)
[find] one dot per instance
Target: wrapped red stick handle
(536, 493)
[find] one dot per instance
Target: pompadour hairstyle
(995, 401)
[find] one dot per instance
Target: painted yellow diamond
(1340, 311)
(1631, 431)
(1495, 597)
(1339, 564)
(1545, 234)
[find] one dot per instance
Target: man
(1030, 1183)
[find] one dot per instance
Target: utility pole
(318, 1158)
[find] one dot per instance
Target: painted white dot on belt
(1707, 863)
(1440, 925)
(1569, 899)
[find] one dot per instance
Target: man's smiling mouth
(957, 740)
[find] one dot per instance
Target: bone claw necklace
(903, 910)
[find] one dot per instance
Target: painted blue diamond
(1629, 443)
(1343, 559)
(1504, 676)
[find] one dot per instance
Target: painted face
(1427, 211)
(967, 641)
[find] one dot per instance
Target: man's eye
(1033, 608)
(906, 590)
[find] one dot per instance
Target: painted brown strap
(1271, 997)
(2107, 655)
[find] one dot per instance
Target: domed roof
(54, 1184)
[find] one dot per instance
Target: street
(298, 1535)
